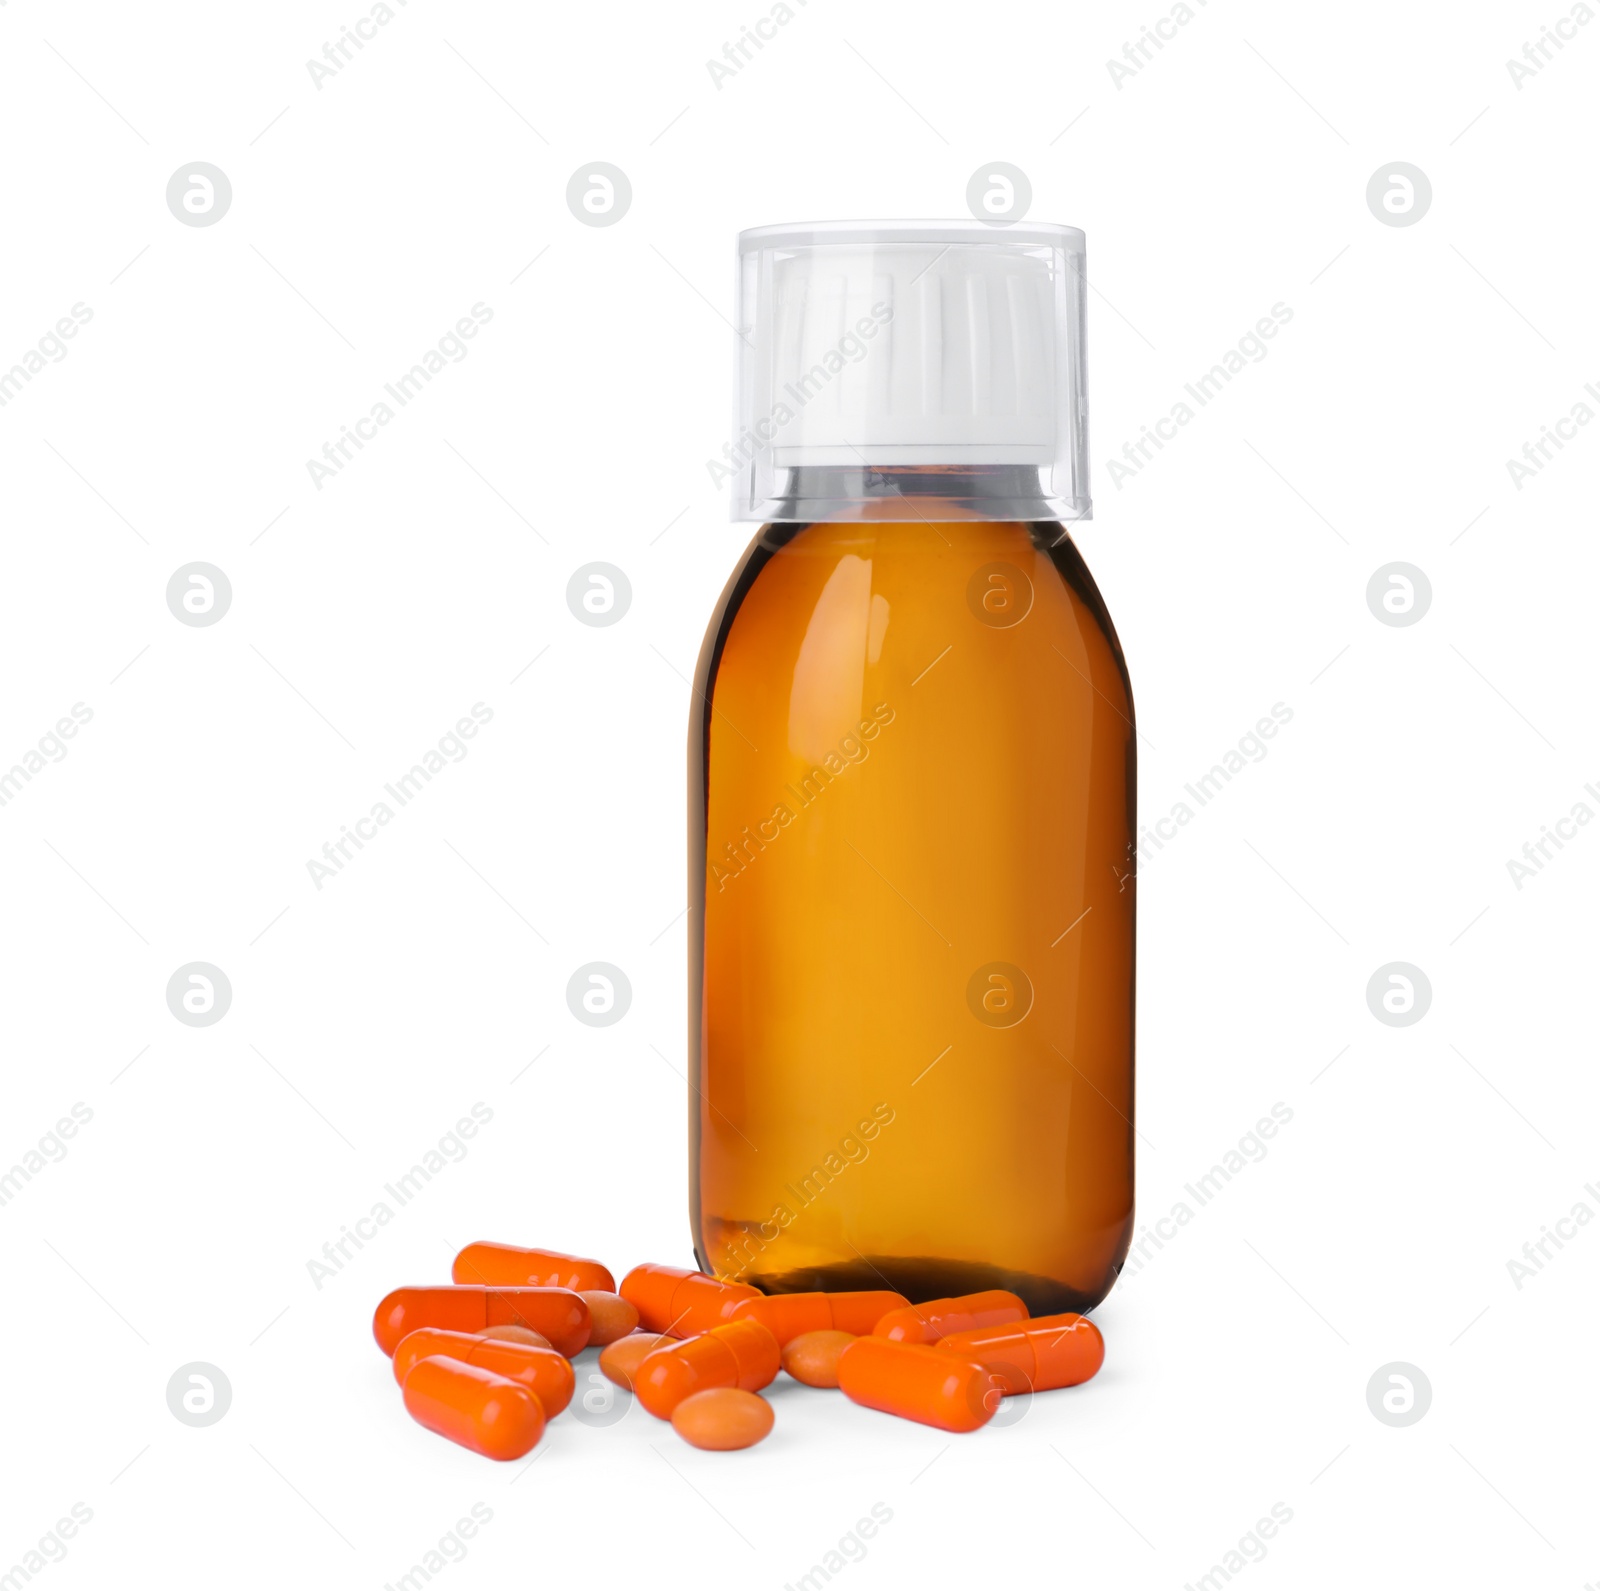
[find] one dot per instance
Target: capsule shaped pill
(502, 1265)
(1038, 1355)
(491, 1415)
(681, 1303)
(918, 1383)
(741, 1354)
(541, 1370)
(789, 1315)
(554, 1312)
(943, 1317)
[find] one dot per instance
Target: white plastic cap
(873, 355)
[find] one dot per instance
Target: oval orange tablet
(610, 1317)
(681, 1303)
(813, 1356)
(515, 1334)
(787, 1315)
(741, 1354)
(917, 1383)
(554, 1312)
(943, 1317)
(502, 1265)
(722, 1419)
(478, 1409)
(620, 1361)
(1037, 1356)
(541, 1370)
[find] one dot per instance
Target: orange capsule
(502, 1265)
(1038, 1355)
(917, 1383)
(681, 1303)
(540, 1370)
(553, 1312)
(927, 1323)
(741, 1354)
(790, 1315)
(491, 1415)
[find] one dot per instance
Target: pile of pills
(486, 1361)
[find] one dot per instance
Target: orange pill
(927, 1323)
(741, 1354)
(787, 1315)
(1037, 1356)
(515, 1334)
(554, 1312)
(721, 1419)
(918, 1383)
(491, 1415)
(502, 1265)
(813, 1356)
(541, 1370)
(621, 1360)
(610, 1317)
(681, 1303)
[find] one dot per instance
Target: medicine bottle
(911, 787)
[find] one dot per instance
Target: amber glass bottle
(911, 764)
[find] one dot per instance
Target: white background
(368, 215)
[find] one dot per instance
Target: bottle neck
(810, 492)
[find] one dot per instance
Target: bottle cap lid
(873, 353)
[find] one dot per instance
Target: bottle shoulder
(1024, 584)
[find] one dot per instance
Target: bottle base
(922, 1279)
